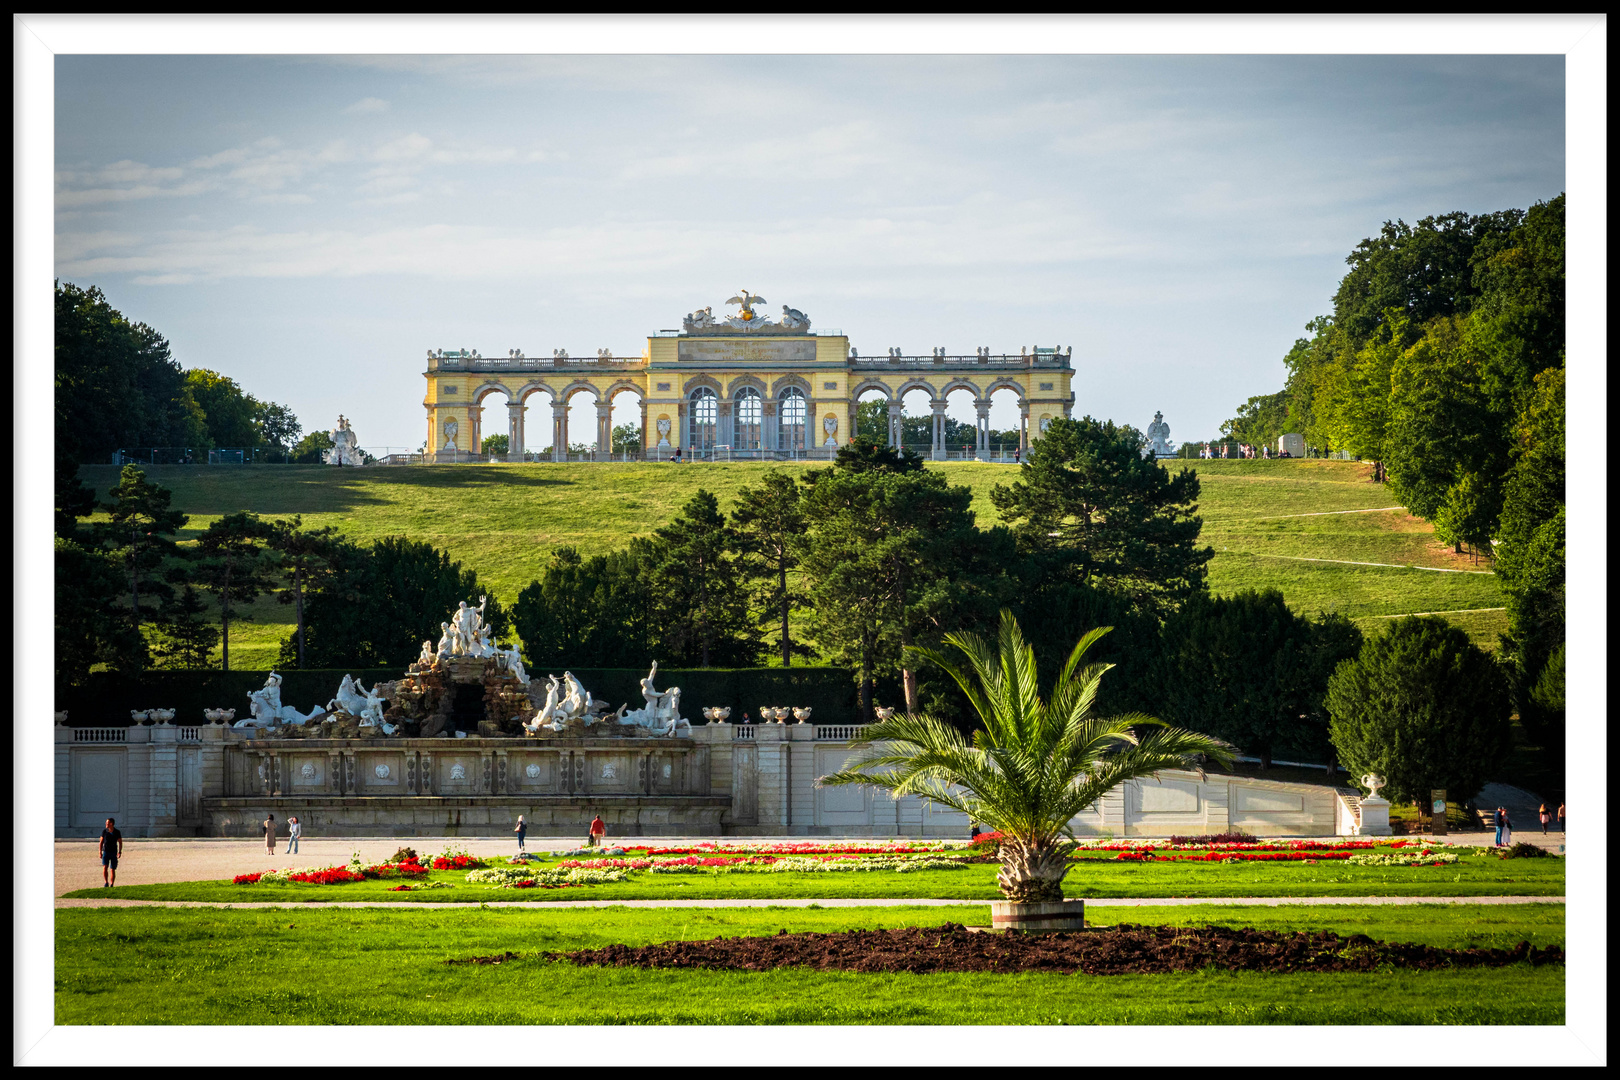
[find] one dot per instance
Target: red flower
(245, 879)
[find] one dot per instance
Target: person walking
(111, 847)
(598, 830)
(522, 830)
(1560, 817)
(294, 830)
(1507, 827)
(1499, 820)
(269, 824)
(1545, 818)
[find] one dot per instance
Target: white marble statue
(512, 660)
(662, 714)
(349, 698)
(466, 621)
(702, 319)
(429, 654)
(793, 319)
(1158, 434)
(268, 711)
(371, 709)
(447, 640)
(450, 430)
(345, 444)
(483, 647)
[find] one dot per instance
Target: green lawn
(360, 966)
(502, 520)
(1472, 875)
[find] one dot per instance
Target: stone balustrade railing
(100, 734)
(837, 731)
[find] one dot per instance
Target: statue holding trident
(466, 623)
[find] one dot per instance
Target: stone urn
(881, 713)
(721, 714)
(61, 717)
(139, 715)
(780, 714)
(162, 716)
(802, 715)
(765, 714)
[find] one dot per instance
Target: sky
(310, 226)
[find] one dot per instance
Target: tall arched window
(702, 412)
(749, 411)
(790, 406)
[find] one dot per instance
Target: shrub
(1422, 707)
(1522, 850)
(404, 854)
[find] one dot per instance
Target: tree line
(1442, 363)
(870, 563)
(117, 385)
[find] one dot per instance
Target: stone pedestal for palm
(1033, 765)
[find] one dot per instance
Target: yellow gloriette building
(745, 386)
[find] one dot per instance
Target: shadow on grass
(281, 490)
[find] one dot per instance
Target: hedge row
(106, 699)
(829, 691)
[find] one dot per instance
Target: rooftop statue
(747, 300)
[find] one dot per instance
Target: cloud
(367, 106)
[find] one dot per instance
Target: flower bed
(457, 862)
(1416, 858)
(511, 876)
(330, 875)
(388, 870)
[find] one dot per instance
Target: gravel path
(1236, 901)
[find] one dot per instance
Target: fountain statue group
(466, 636)
(568, 702)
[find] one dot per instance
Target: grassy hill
(1318, 530)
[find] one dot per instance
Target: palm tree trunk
(1032, 873)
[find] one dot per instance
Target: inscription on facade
(748, 349)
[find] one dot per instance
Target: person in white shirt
(293, 830)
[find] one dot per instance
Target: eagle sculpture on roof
(747, 300)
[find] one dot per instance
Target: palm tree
(1033, 766)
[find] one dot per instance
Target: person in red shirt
(597, 831)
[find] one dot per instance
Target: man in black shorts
(112, 846)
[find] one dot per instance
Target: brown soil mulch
(1116, 950)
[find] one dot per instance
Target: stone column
(726, 428)
(895, 413)
(648, 436)
(514, 432)
(604, 429)
(939, 430)
(768, 428)
(475, 423)
(559, 432)
(1023, 429)
(982, 407)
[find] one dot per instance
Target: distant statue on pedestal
(1158, 434)
(345, 444)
